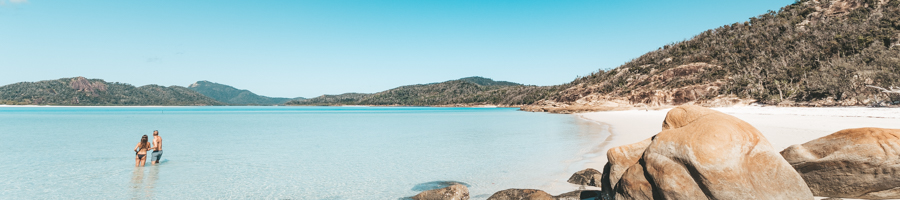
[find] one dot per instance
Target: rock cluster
(703, 154)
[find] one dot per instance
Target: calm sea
(284, 152)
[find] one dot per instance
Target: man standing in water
(157, 148)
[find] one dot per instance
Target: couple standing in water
(141, 150)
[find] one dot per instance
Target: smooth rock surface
(852, 163)
(521, 194)
(589, 177)
(705, 154)
(619, 160)
(452, 192)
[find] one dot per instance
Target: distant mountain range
(96, 92)
(234, 96)
(463, 92)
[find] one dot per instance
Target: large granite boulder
(705, 154)
(620, 159)
(521, 194)
(589, 177)
(859, 163)
(452, 192)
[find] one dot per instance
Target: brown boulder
(853, 163)
(452, 192)
(619, 160)
(589, 177)
(579, 195)
(705, 154)
(521, 194)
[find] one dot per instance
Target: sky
(307, 48)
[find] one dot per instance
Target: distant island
(96, 92)
(470, 91)
(233, 96)
(80, 91)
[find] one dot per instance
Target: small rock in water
(580, 195)
(589, 177)
(452, 192)
(521, 194)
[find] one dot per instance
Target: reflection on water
(141, 188)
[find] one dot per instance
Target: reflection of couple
(141, 150)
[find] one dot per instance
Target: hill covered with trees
(465, 91)
(96, 92)
(233, 96)
(810, 53)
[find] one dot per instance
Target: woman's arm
(136, 147)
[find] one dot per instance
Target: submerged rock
(521, 194)
(705, 154)
(589, 177)
(452, 192)
(853, 163)
(579, 195)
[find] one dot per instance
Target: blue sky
(309, 48)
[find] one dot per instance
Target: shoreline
(781, 126)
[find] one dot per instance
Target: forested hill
(96, 92)
(810, 53)
(465, 91)
(233, 96)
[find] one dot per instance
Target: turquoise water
(283, 152)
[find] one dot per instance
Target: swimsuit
(140, 156)
(156, 155)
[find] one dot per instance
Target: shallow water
(284, 152)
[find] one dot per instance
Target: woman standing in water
(141, 151)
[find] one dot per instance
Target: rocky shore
(739, 153)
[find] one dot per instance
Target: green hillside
(465, 91)
(96, 92)
(810, 53)
(233, 96)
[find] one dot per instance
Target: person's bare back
(157, 148)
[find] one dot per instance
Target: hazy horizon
(310, 48)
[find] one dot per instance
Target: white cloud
(18, 1)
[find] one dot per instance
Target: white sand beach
(782, 126)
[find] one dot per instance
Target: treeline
(96, 92)
(233, 96)
(465, 91)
